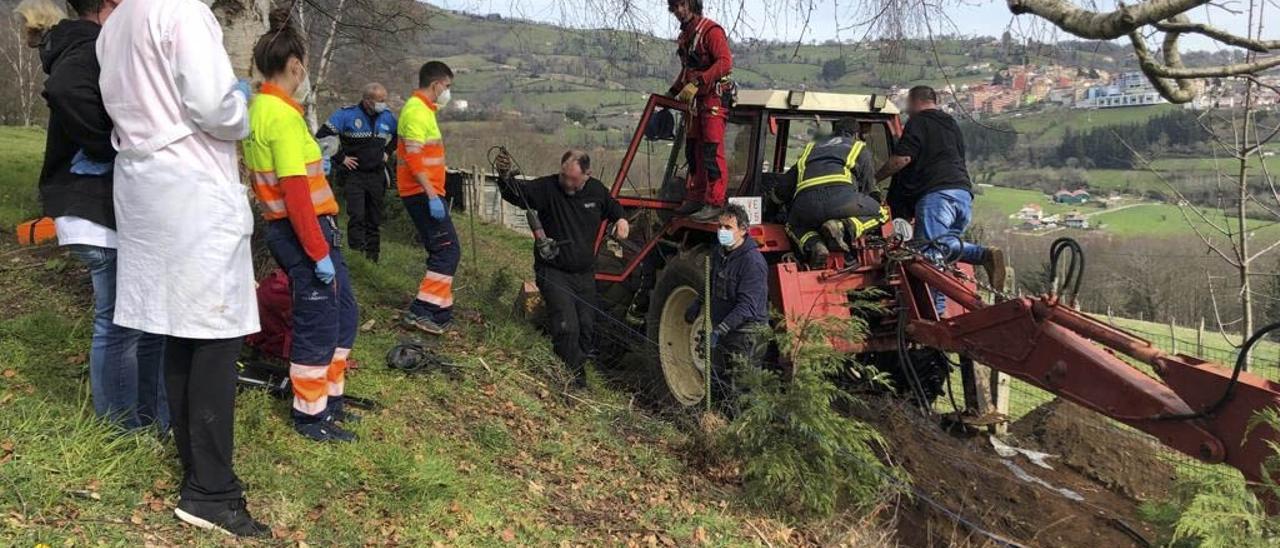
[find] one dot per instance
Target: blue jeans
(941, 219)
(125, 365)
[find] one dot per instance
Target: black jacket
(573, 220)
(739, 287)
(77, 121)
(935, 144)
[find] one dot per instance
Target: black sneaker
(707, 214)
(342, 415)
(227, 517)
(324, 430)
(688, 208)
(423, 324)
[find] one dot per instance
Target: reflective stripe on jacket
(421, 147)
(827, 163)
(279, 146)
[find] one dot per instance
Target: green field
(996, 204)
(1227, 166)
(1047, 128)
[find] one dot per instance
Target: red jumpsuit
(705, 60)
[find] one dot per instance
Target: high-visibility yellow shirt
(280, 145)
(421, 147)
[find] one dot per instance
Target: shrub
(800, 455)
(1215, 509)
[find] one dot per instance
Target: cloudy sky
(831, 19)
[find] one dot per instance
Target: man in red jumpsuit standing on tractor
(705, 63)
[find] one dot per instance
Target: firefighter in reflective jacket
(831, 192)
(705, 62)
(285, 166)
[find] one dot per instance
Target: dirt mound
(1123, 461)
(966, 477)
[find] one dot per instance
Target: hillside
(495, 452)
(530, 66)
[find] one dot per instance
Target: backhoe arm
(1076, 357)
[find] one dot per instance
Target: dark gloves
(547, 249)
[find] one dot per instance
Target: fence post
(471, 214)
(1173, 335)
(1110, 319)
(1200, 339)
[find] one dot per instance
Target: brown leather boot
(993, 262)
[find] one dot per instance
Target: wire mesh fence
(1026, 399)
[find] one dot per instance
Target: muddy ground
(1112, 470)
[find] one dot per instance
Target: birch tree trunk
(243, 21)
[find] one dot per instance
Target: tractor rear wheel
(678, 376)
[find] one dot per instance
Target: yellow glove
(687, 93)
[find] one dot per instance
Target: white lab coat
(183, 216)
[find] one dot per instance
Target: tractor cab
(652, 278)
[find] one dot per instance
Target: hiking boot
(227, 517)
(422, 323)
(708, 214)
(993, 262)
(818, 256)
(688, 208)
(833, 233)
(323, 430)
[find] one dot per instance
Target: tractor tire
(676, 369)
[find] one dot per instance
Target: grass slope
(491, 455)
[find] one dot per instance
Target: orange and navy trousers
(324, 322)
(435, 294)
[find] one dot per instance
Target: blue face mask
(725, 236)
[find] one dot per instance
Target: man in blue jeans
(125, 365)
(931, 180)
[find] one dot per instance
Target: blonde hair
(39, 15)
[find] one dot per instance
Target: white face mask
(379, 107)
(443, 99)
(304, 89)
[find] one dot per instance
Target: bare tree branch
(1103, 26)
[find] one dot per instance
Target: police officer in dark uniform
(367, 131)
(831, 192)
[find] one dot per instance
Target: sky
(770, 19)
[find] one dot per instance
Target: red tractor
(1199, 408)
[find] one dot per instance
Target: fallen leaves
(508, 535)
(9, 373)
(700, 535)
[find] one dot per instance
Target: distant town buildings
(1030, 87)
(1071, 196)
(1075, 219)
(1129, 89)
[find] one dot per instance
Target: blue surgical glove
(242, 86)
(438, 211)
(325, 271)
(716, 334)
(82, 165)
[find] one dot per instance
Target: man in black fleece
(571, 207)
(75, 190)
